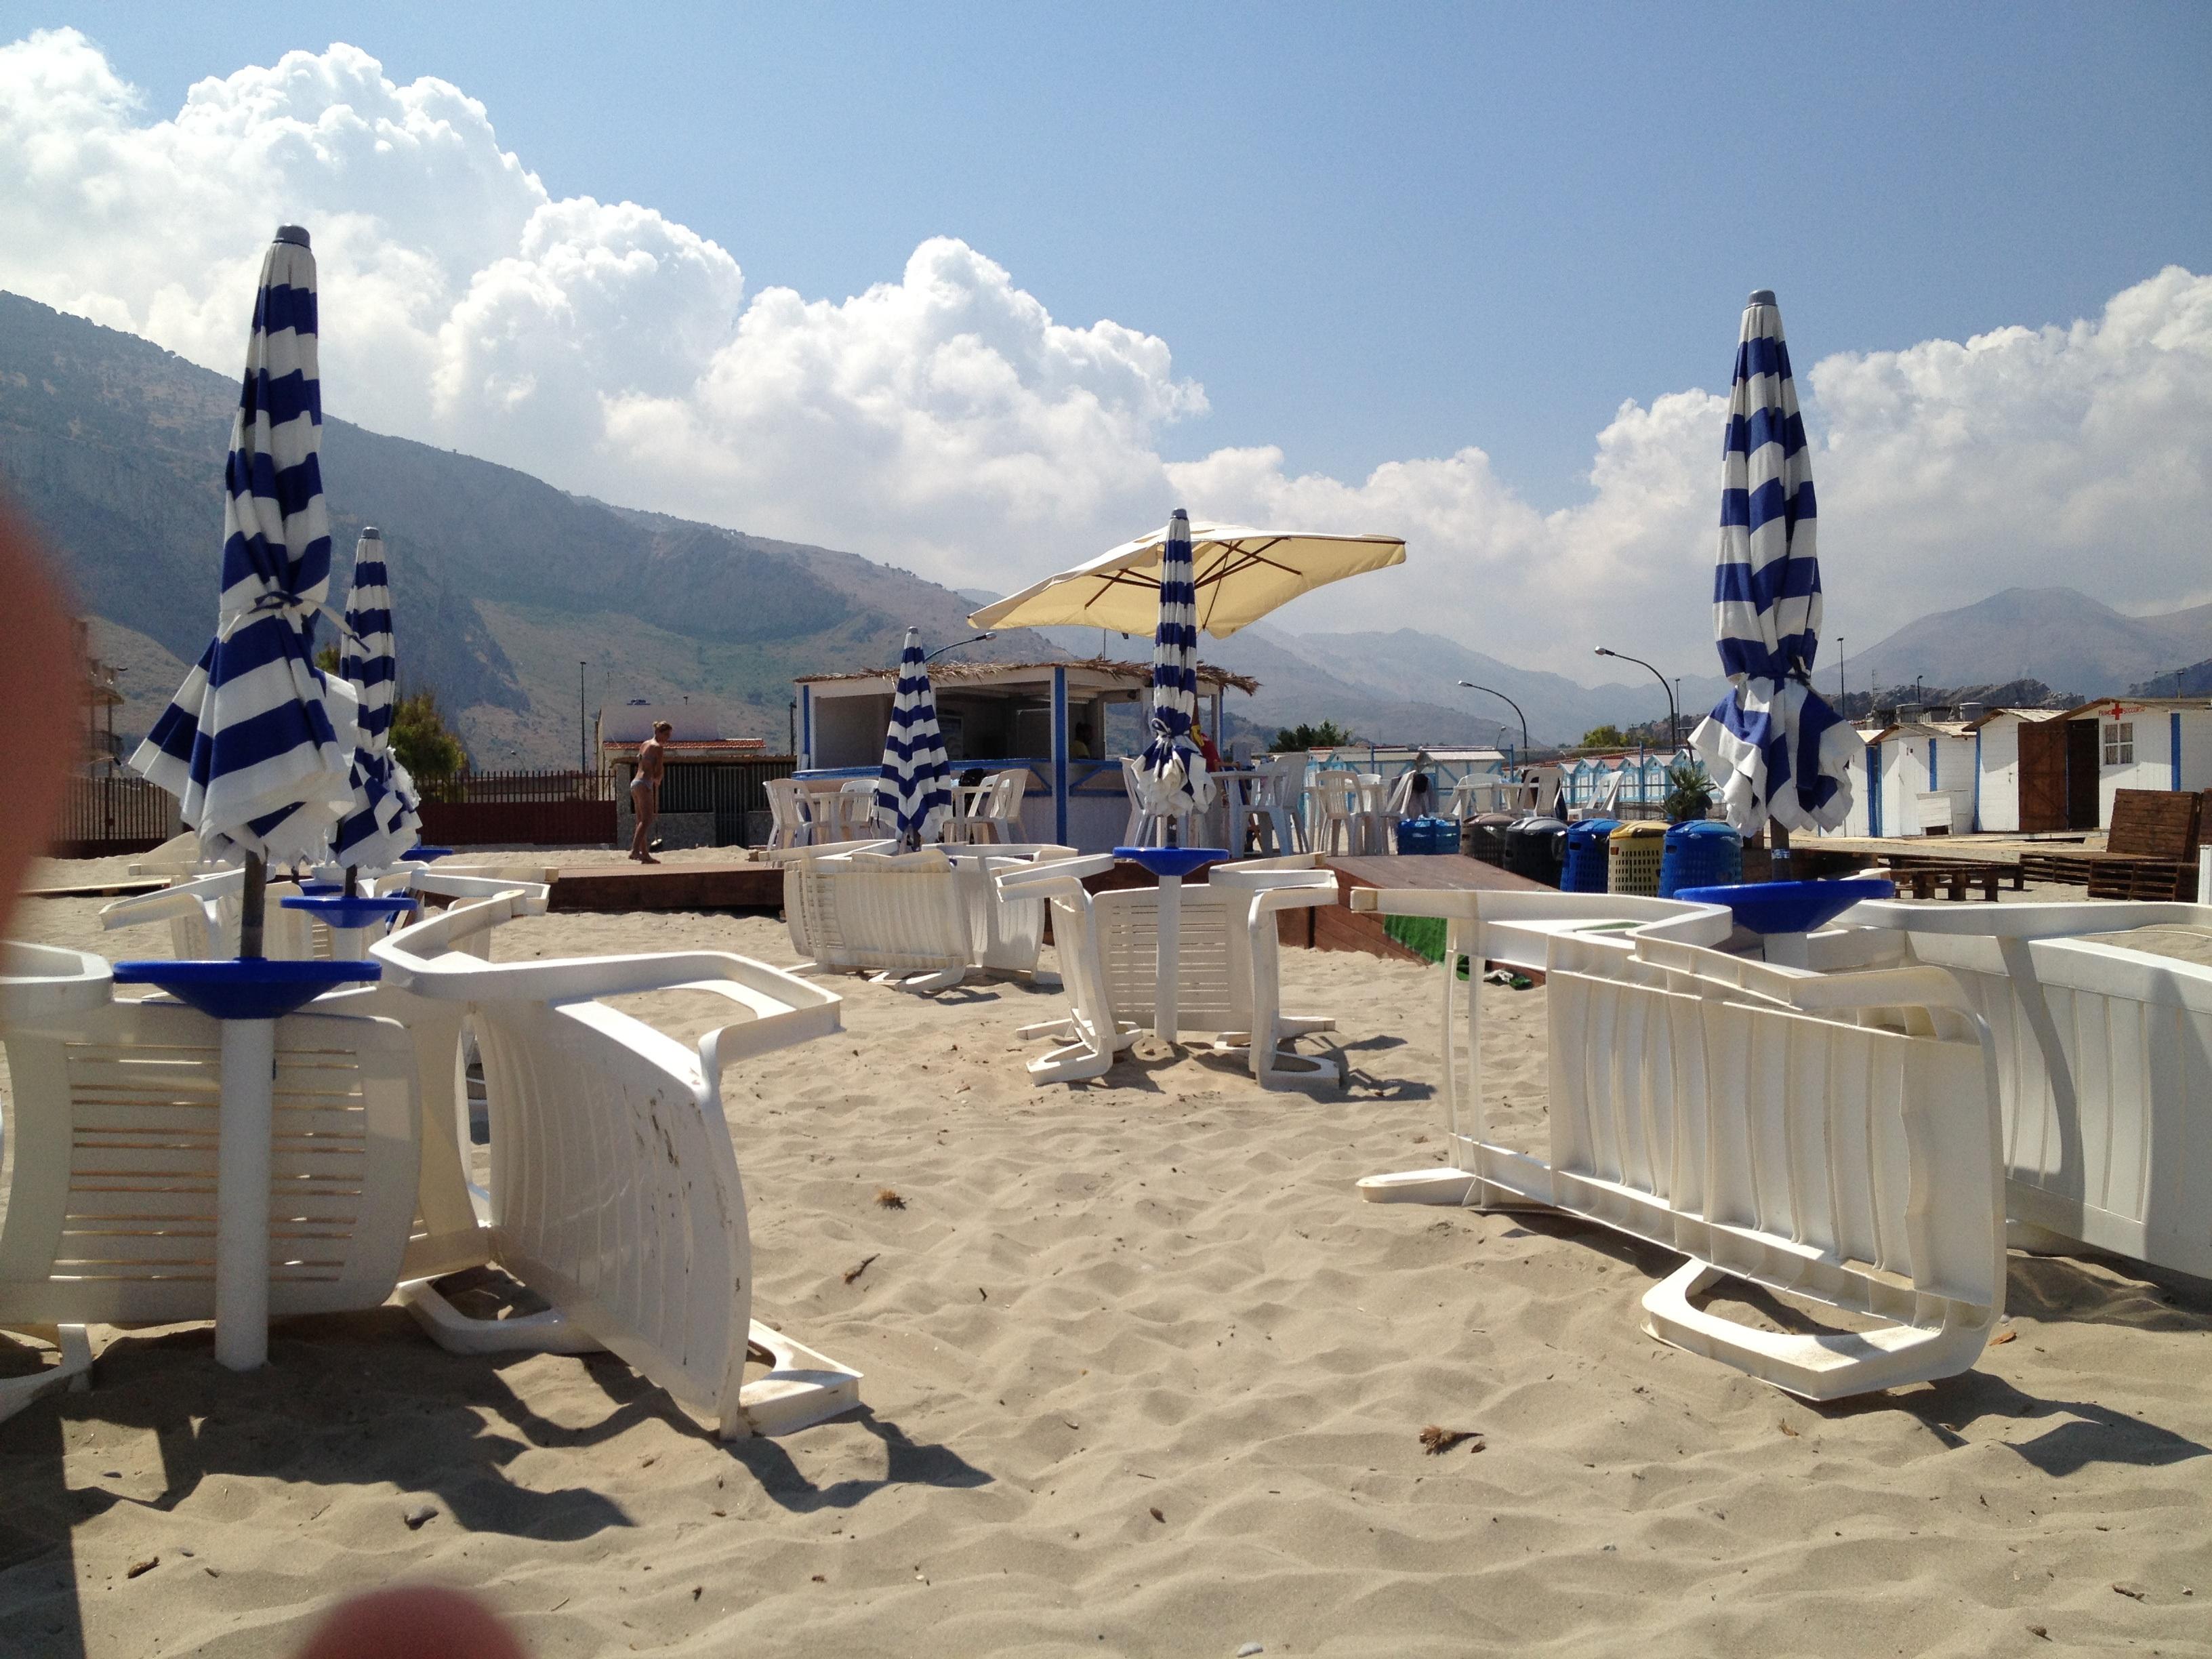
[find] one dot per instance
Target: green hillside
(501, 584)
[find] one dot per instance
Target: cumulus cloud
(944, 419)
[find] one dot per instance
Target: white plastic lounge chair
(2104, 1061)
(1227, 967)
(614, 1190)
(1830, 1135)
(897, 917)
(201, 914)
(1005, 935)
(111, 1216)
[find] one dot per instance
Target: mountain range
(517, 601)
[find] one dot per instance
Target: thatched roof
(1137, 675)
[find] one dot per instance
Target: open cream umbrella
(1238, 574)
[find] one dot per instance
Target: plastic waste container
(1483, 837)
(1584, 870)
(1632, 853)
(1699, 855)
(1536, 847)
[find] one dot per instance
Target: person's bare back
(645, 790)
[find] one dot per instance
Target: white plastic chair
(787, 823)
(1227, 978)
(1834, 1136)
(1338, 828)
(862, 908)
(997, 817)
(614, 1188)
(111, 1216)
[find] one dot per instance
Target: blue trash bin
(1699, 855)
(1583, 871)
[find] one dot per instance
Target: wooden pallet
(1922, 879)
(2144, 878)
(2153, 823)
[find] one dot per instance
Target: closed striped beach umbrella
(247, 744)
(1773, 747)
(912, 793)
(1171, 772)
(383, 821)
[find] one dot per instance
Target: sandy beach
(1142, 1377)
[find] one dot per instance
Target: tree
(1296, 739)
(1604, 736)
(1689, 795)
(421, 741)
(327, 660)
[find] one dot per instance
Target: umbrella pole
(352, 880)
(1777, 847)
(252, 905)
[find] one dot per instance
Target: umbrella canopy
(1774, 747)
(911, 792)
(247, 744)
(1238, 574)
(383, 821)
(1171, 772)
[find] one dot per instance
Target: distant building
(714, 792)
(2020, 790)
(2136, 743)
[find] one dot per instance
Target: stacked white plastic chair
(614, 1190)
(861, 909)
(1227, 970)
(110, 1214)
(1835, 1136)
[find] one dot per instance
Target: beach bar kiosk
(1052, 718)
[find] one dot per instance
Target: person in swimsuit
(645, 790)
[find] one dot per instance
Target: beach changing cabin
(2136, 743)
(1050, 718)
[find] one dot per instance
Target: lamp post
(956, 645)
(1510, 703)
(1674, 722)
(583, 743)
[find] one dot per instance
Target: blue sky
(1371, 232)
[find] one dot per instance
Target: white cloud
(945, 421)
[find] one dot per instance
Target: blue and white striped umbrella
(247, 744)
(383, 821)
(1171, 772)
(912, 793)
(1774, 749)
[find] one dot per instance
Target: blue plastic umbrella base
(1177, 861)
(1789, 906)
(244, 988)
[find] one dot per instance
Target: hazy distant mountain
(502, 585)
(2055, 634)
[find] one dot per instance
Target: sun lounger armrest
(1451, 904)
(1291, 896)
(2022, 920)
(42, 983)
(1037, 881)
(189, 898)
(1244, 879)
(533, 894)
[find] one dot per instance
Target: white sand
(1157, 1294)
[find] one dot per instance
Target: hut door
(2082, 759)
(2042, 774)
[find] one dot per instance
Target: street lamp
(1673, 723)
(1510, 703)
(956, 645)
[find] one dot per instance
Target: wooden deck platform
(723, 884)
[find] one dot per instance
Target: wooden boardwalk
(1340, 928)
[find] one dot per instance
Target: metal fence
(113, 813)
(516, 786)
